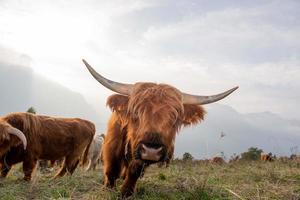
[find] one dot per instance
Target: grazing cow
(266, 157)
(25, 137)
(143, 125)
(94, 154)
(217, 160)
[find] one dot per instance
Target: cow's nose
(150, 153)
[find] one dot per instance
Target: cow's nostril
(150, 153)
(152, 149)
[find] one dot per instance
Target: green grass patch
(191, 180)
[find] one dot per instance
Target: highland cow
(143, 125)
(26, 138)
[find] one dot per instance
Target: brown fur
(48, 138)
(153, 113)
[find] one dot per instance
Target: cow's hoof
(126, 192)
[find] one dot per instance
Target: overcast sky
(201, 47)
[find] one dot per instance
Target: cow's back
(59, 137)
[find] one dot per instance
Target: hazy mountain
(266, 130)
(21, 88)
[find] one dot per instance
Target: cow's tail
(86, 152)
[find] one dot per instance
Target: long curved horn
(201, 100)
(19, 134)
(120, 88)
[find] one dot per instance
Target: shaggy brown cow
(143, 126)
(217, 160)
(266, 157)
(26, 137)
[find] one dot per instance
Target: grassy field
(191, 180)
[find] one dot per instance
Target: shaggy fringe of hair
(156, 97)
(153, 98)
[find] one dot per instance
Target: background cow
(266, 157)
(143, 126)
(217, 160)
(26, 137)
(94, 155)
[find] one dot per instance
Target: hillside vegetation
(181, 180)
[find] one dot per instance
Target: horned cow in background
(94, 155)
(143, 125)
(26, 138)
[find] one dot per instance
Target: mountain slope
(21, 88)
(264, 130)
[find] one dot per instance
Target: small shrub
(161, 176)
(31, 110)
(187, 157)
(253, 153)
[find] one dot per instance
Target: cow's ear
(4, 136)
(18, 121)
(117, 102)
(193, 114)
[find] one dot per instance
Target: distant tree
(253, 153)
(31, 110)
(187, 156)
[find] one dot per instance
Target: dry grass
(190, 180)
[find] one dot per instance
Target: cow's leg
(124, 170)
(113, 151)
(8, 161)
(133, 172)
(167, 163)
(71, 164)
(94, 167)
(88, 165)
(62, 170)
(111, 172)
(4, 168)
(28, 167)
(94, 163)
